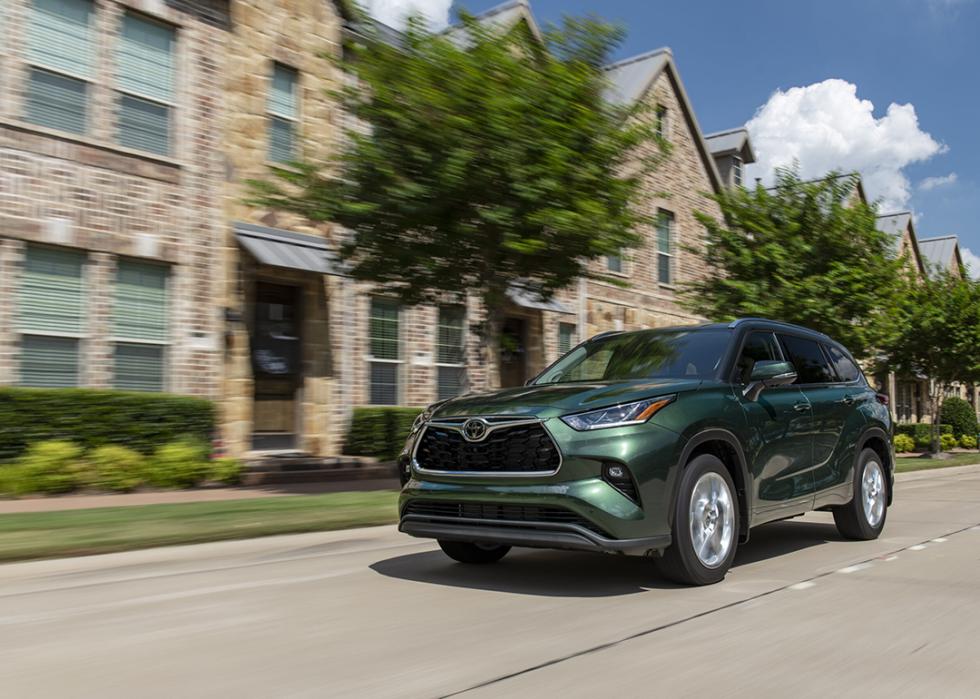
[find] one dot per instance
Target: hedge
(959, 414)
(94, 418)
(379, 432)
(921, 432)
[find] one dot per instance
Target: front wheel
(466, 552)
(705, 532)
(863, 517)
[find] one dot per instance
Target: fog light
(620, 478)
(616, 472)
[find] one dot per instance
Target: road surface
(371, 613)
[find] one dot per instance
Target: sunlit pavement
(370, 612)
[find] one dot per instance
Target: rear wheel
(466, 552)
(863, 517)
(705, 532)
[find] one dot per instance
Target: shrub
(921, 432)
(53, 466)
(95, 418)
(180, 464)
(115, 468)
(226, 470)
(379, 432)
(947, 442)
(960, 415)
(968, 442)
(904, 443)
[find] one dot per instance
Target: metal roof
(731, 141)
(529, 299)
(629, 79)
(279, 248)
(939, 252)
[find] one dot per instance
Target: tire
(863, 518)
(466, 552)
(707, 508)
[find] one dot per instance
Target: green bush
(115, 468)
(921, 432)
(947, 442)
(226, 470)
(53, 466)
(379, 432)
(95, 418)
(968, 442)
(904, 443)
(959, 414)
(180, 464)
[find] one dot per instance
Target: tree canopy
(806, 253)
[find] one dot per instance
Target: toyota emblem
(474, 429)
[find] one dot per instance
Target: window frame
(461, 365)
(833, 364)
(666, 214)
(167, 345)
(271, 116)
(789, 358)
(372, 360)
(737, 170)
(662, 116)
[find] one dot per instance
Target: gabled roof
(731, 141)
(507, 14)
(942, 252)
(859, 188)
(896, 225)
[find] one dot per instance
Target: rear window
(808, 359)
(846, 369)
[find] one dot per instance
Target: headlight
(421, 419)
(617, 415)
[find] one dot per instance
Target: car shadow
(576, 574)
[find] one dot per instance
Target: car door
(781, 441)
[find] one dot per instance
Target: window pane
(846, 369)
(138, 367)
(144, 125)
(146, 58)
(759, 346)
(449, 339)
(59, 36)
(665, 224)
(808, 359)
(452, 381)
(566, 337)
(384, 383)
(281, 140)
(51, 291)
(384, 329)
(663, 269)
(48, 362)
(282, 92)
(56, 101)
(140, 309)
(614, 263)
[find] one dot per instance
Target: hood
(552, 400)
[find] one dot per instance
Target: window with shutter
(140, 326)
(51, 316)
(385, 352)
(145, 81)
(61, 54)
(283, 113)
(450, 352)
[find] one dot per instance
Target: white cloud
(972, 262)
(933, 182)
(394, 13)
(825, 126)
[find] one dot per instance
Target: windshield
(649, 354)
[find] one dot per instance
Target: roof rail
(741, 321)
(605, 334)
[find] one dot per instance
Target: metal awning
(528, 299)
(278, 248)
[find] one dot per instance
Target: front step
(263, 469)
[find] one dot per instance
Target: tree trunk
(937, 403)
(493, 309)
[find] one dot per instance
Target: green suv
(670, 443)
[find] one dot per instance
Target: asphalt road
(371, 613)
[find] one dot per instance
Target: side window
(846, 369)
(809, 360)
(759, 346)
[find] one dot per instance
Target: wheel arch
(876, 439)
(726, 447)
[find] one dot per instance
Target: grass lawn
(108, 529)
(916, 463)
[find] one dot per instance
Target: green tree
(806, 253)
(483, 161)
(938, 336)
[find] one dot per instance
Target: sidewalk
(84, 502)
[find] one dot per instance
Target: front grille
(491, 512)
(524, 448)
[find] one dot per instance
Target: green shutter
(59, 36)
(56, 101)
(384, 329)
(146, 58)
(51, 291)
(144, 125)
(48, 362)
(138, 367)
(140, 309)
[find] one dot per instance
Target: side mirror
(768, 373)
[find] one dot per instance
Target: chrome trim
(456, 423)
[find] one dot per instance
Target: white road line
(890, 558)
(917, 547)
(940, 540)
(854, 568)
(805, 585)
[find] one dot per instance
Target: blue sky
(733, 57)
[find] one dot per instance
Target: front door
(780, 422)
(513, 353)
(276, 365)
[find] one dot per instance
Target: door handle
(847, 400)
(801, 407)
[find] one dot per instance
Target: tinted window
(647, 354)
(759, 346)
(808, 359)
(846, 369)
